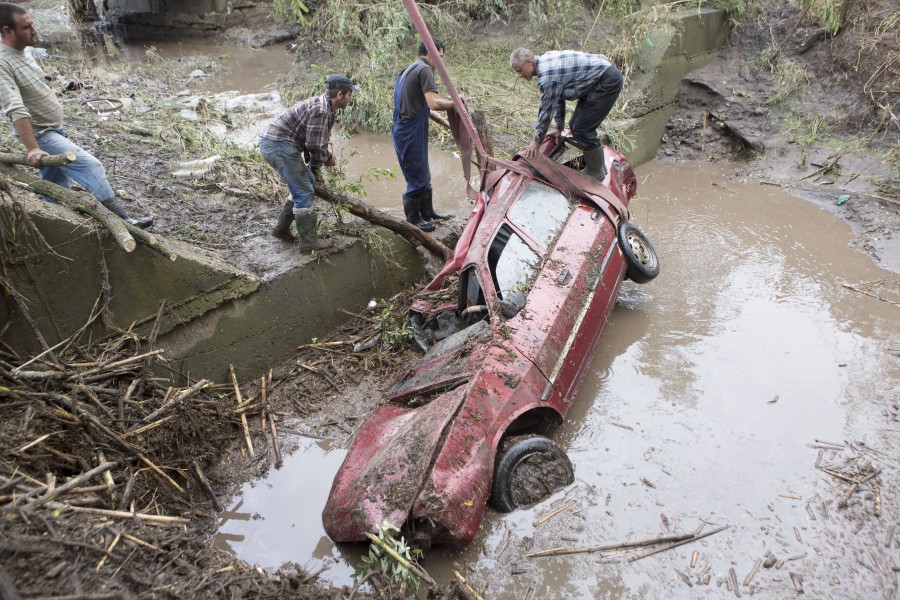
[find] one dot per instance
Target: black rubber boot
(282, 229)
(117, 209)
(412, 206)
(428, 208)
(595, 164)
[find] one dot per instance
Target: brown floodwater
(712, 392)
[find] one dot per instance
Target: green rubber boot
(307, 221)
(282, 229)
(595, 164)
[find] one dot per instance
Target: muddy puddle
(715, 392)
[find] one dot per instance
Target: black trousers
(593, 107)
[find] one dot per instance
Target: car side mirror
(512, 304)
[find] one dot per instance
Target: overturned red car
(510, 326)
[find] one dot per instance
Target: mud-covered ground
(724, 112)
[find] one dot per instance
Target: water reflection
(278, 519)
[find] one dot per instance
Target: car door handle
(564, 277)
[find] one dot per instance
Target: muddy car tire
(643, 265)
(528, 469)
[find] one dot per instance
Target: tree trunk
(409, 232)
(80, 201)
(51, 160)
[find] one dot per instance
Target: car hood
(392, 454)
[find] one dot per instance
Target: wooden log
(80, 201)
(151, 241)
(51, 160)
(407, 231)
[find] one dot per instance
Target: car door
(563, 315)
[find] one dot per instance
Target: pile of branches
(102, 482)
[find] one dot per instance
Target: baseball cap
(340, 82)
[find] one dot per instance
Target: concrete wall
(181, 14)
(61, 286)
(687, 42)
(258, 331)
(217, 315)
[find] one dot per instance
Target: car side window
(512, 262)
(540, 212)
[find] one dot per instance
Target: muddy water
(238, 67)
(709, 386)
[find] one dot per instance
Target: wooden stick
(117, 364)
(553, 513)
(469, 589)
(86, 417)
(51, 160)
(121, 514)
(207, 488)
(203, 383)
(237, 394)
(693, 538)
(637, 544)
(752, 573)
(415, 569)
(140, 542)
(108, 552)
(321, 374)
(72, 483)
(278, 460)
(80, 201)
(265, 404)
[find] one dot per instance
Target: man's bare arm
(26, 134)
(435, 102)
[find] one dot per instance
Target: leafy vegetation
(380, 562)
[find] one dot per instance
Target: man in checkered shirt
(569, 75)
(296, 145)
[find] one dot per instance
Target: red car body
(426, 458)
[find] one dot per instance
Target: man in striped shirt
(296, 145)
(37, 116)
(569, 75)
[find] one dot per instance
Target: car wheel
(643, 265)
(528, 469)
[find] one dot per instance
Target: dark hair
(437, 44)
(7, 11)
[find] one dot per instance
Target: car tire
(643, 265)
(528, 469)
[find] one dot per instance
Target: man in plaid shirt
(296, 145)
(569, 75)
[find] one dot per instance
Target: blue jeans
(86, 169)
(287, 159)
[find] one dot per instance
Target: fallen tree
(123, 233)
(407, 231)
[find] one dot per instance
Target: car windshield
(540, 212)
